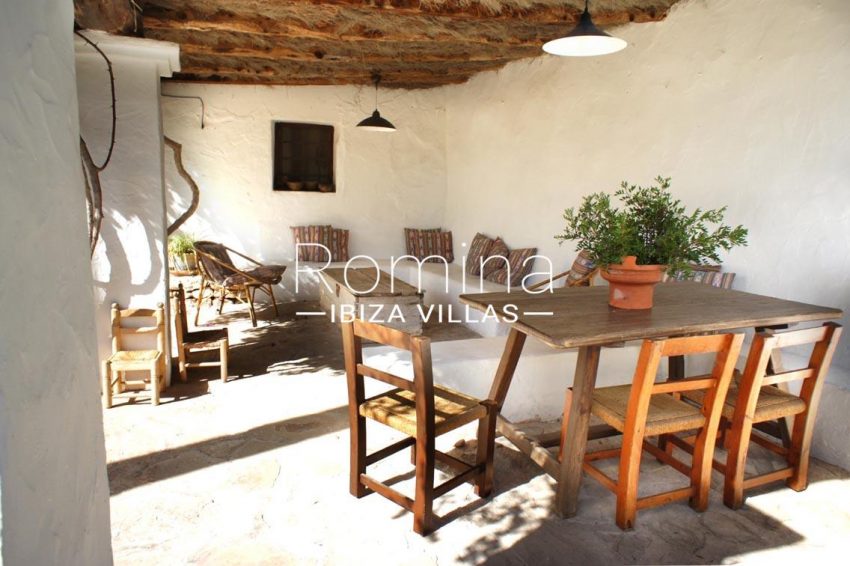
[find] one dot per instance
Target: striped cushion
(479, 248)
(705, 274)
(582, 267)
(413, 240)
(519, 268)
(447, 246)
(429, 242)
(312, 235)
(339, 245)
(493, 262)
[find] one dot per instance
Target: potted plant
(181, 254)
(651, 233)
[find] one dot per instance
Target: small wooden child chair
(196, 341)
(123, 360)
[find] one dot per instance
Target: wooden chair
(123, 360)
(221, 276)
(645, 409)
(420, 410)
(756, 398)
(196, 341)
(580, 274)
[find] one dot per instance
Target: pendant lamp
(376, 122)
(585, 40)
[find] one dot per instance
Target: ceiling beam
(357, 52)
(113, 16)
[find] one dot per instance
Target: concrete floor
(254, 471)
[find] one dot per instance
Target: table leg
(498, 392)
(507, 366)
(566, 499)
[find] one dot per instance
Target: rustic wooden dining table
(579, 317)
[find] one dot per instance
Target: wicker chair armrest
(243, 256)
(232, 267)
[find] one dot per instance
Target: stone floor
(254, 471)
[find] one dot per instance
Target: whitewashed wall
(130, 261)
(55, 507)
(385, 181)
(744, 103)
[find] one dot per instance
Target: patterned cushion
(705, 274)
(479, 248)
(582, 267)
(339, 245)
(269, 274)
(492, 264)
(429, 242)
(519, 267)
(447, 246)
(312, 235)
(413, 240)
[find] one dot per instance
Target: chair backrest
(214, 260)
(422, 384)
(119, 330)
(726, 348)
(178, 308)
(758, 371)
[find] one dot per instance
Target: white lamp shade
(584, 45)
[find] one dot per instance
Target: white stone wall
(743, 103)
(384, 181)
(130, 261)
(55, 507)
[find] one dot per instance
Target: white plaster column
(130, 263)
(55, 498)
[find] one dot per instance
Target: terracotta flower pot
(631, 285)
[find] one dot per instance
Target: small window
(303, 157)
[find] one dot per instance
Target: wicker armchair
(222, 277)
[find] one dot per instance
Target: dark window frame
(304, 153)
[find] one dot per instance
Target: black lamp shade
(585, 40)
(376, 123)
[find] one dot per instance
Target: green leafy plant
(651, 225)
(181, 243)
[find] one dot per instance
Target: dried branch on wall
(94, 195)
(196, 193)
(91, 172)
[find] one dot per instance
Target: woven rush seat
(135, 358)
(267, 274)
(666, 413)
(397, 409)
(772, 403)
(201, 339)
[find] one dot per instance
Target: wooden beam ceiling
(412, 43)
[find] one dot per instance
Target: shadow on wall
(112, 254)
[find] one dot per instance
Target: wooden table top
(581, 316)
(363, 278)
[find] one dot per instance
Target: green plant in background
(181, 243)
(651, 225)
